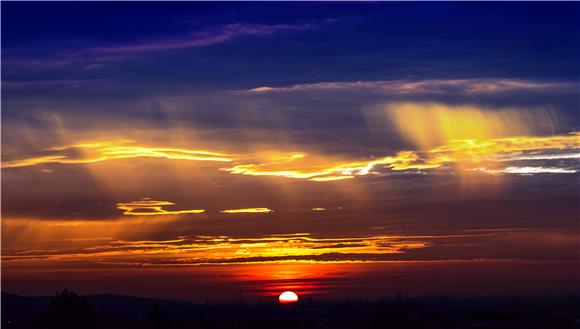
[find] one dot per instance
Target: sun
(288, 297)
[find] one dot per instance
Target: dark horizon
(114, 311)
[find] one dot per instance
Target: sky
(340, 150)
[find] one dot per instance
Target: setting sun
(288, 297)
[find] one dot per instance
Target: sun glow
(288, 297)
(431, 124)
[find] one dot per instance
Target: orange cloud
(319, 169)
(148, 207)
(198, 250)
(465, 152)
(247, 210)
(463, 138)
(109, 150)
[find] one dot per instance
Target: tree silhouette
(71, 311)
(160, 318)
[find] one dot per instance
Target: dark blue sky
(126, 52)
(329, 41)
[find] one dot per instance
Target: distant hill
(116, 305)
(126, 312)
(15, 305)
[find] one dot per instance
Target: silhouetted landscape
(115, 311)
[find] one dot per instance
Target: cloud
(495, 154)
(73, 58)
(529, 170)
(458, 139)
(247, 210)
(501, 149)
(91, 152)
(464, 153)
(92, 58)
(523, 243)
(199, 250)
(212, 36)
(299, 166)
(148, 207)
(408, 87)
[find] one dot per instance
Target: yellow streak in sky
(321, 169)
(465, 152)
(196, 250)
(494, 148)
(247, 210)
(429, 125)
(102, 151)
(463, 136)
(148, 207)
(300, 167)
(330, 178)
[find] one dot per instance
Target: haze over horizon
(338, 150)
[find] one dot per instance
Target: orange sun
(288, 297)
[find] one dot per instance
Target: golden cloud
(108, 150)
(466, 152)
(319, 170)
(455, 137)
(198, 250)
(148, 207)
(247, 210)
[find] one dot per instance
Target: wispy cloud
(199, 250)
(529, 170)
(465, 154)
(92, 58)
(138, 242)
(108, 150)
(302, 167)
(212, 36)
(406, 87)
(246, 210)
(148, 207)
(303, 247)
(468, 153)
(71, 58)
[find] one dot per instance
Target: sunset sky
(190, 150)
